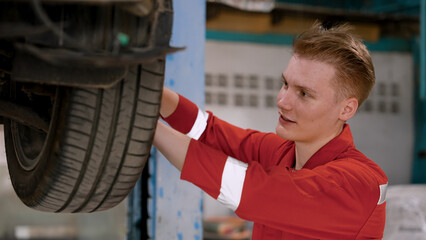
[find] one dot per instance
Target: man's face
(307, 105)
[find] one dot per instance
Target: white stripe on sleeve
(382, 197)
(199, 126)
(233, 177)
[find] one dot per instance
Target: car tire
(95, 149)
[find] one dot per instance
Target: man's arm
(243, 144)
(169, 102)
(172, 144)
(330, 202)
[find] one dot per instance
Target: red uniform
(338, 194)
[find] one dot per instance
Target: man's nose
(284, 99)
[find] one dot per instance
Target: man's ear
(349, 107)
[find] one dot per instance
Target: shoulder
(354, 171)
(357, 162)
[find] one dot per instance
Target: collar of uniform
(332, 149)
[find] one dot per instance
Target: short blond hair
(344, 51)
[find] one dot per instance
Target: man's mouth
(286, 119)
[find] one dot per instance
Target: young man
(307, 181)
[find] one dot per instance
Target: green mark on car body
(123, 38)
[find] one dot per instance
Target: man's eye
(303, 94)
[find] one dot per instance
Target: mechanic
(307, 181)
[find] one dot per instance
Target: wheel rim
(29, 143)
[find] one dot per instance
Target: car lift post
(175, 207)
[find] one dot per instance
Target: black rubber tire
(96, 147)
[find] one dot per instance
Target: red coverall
(338, 194)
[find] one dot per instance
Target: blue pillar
(174, 207)
(178, 204)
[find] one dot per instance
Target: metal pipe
(354, 13)
(23, 115)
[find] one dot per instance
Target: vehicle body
(80, 90)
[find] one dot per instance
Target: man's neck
(305, 150)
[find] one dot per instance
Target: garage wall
(385, 133)
(243, 79)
